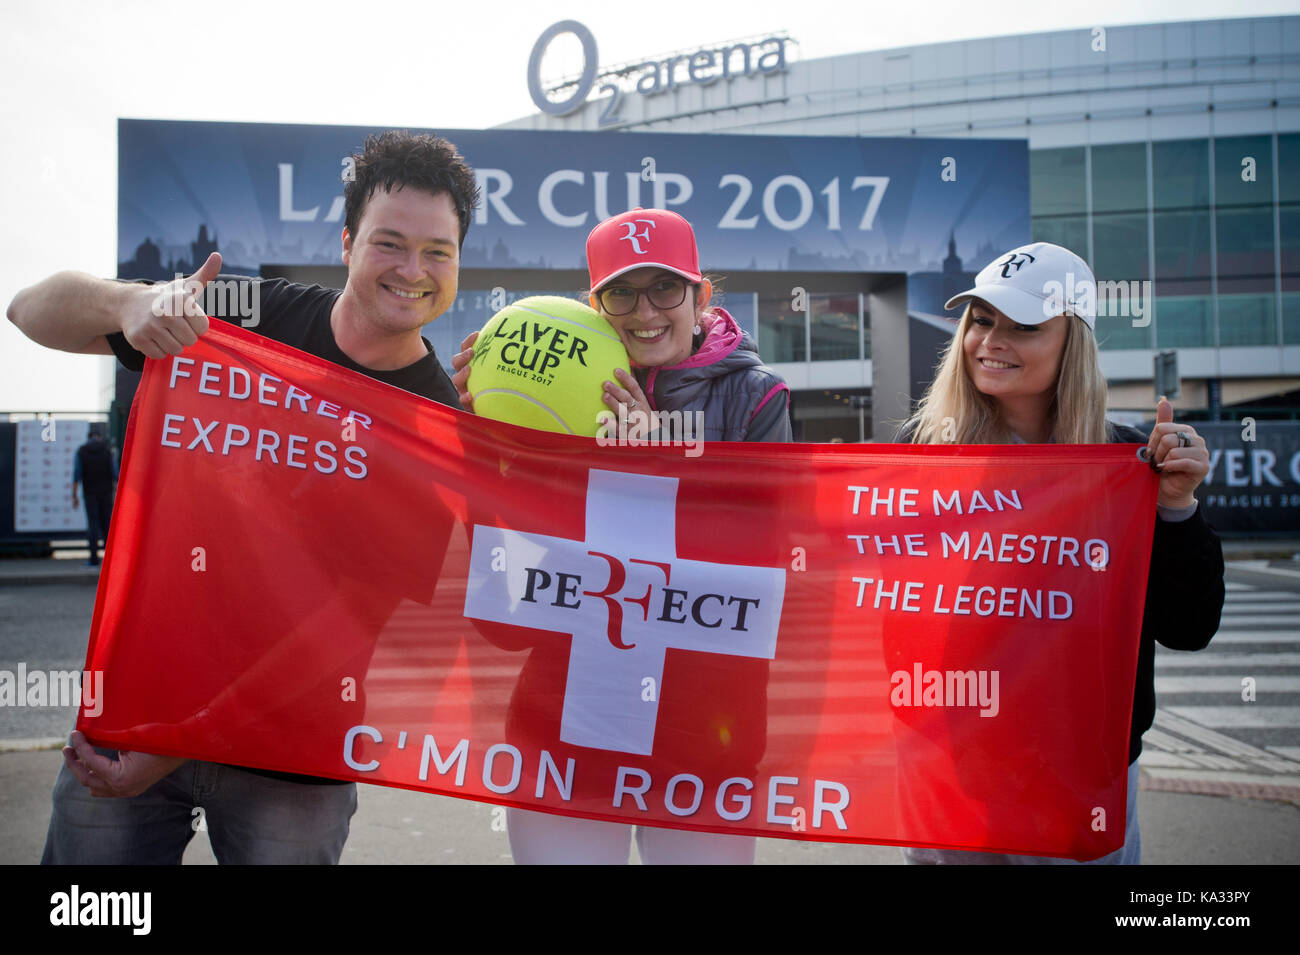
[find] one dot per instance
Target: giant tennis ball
(542, 363)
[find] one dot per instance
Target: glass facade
(1058, 197)
(834, 320)
(740, 306)
(1288, 180)
(1119, 243)
(1212, 224)
(781, 332)
(814, 326)
(1180, 200)
(1243, 199)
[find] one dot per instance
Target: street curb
(31, 745)
(1249, 788)
(26, 580)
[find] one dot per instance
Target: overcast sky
(71, 69)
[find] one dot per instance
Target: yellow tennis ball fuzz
(542, 363)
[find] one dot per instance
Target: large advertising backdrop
(935, 209)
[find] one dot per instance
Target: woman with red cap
(686, 356)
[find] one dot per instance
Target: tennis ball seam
(528, 398)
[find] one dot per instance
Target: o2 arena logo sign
(701, 68)
(626, 598)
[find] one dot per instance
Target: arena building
(1167, 154)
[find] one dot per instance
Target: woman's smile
(1007, 360)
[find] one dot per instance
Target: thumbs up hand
(165, 319)
(1180, 455)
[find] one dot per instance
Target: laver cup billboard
(894, 644)
(1254, 481)
(273, 194)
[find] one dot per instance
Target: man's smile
(407, 294)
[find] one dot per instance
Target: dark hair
(397, 159)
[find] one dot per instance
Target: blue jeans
(1130, 853)
(250, 819)
(99, 507)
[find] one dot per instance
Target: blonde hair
(953, 411)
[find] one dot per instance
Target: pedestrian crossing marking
(1246, 663)
(1226, 684)
(1241, 716)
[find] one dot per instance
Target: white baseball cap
(1034, 283)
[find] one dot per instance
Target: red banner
(317, 573)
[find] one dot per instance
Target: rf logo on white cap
(1014, 261)
(1035, 283)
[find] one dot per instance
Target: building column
(891, 379)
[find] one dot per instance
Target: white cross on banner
(626, 598)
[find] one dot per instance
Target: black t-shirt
(299, 316)
(96, 467)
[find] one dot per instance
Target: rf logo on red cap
(633, 235)
(673, 239)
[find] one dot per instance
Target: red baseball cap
(642, 238)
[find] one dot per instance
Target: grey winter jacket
(742, 399)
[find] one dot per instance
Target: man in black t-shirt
(407, 213)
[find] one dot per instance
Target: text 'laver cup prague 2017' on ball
(542, 363)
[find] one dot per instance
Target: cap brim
(1023, 308)
(689, 276)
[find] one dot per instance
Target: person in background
(94, 470)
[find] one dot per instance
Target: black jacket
(1184, 598)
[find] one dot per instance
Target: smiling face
(1008, 361)
(654, 336)
(404, 261)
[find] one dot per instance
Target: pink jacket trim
(767, 397)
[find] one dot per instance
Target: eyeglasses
(623, 299)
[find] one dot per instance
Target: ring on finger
(1184, 440)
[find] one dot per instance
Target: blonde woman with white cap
(1022, 367)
